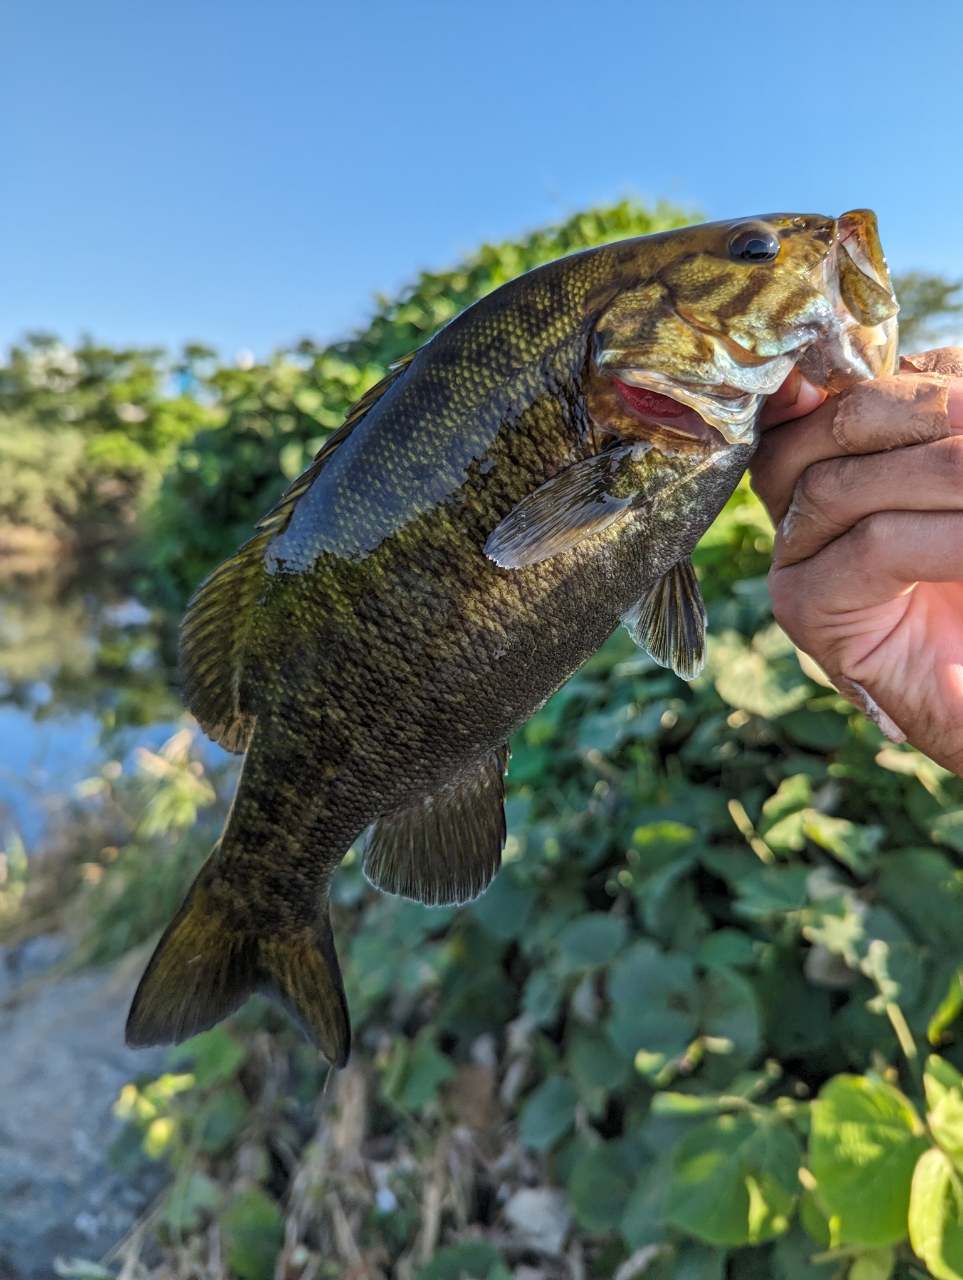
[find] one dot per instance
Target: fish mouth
(660, 410)
(729, 408)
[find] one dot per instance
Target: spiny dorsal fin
(216, 626)
(669, 622)
(447, 847)
(277, 518)
(560, 513)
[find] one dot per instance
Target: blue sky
(247, 173)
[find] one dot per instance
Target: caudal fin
(202, 970)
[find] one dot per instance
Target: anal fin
(446, 847)
(669, 621)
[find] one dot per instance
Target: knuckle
(951, 456)
(874, 534)
(819, 484)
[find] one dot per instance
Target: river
(85, 675)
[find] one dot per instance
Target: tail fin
(202, 970)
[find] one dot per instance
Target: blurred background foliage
(684, 1033)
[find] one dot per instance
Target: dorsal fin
(446, 847)
(277, 518)
(213, 638)
(219, 616)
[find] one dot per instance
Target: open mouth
(663, 411)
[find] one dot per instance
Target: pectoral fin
(447, 847)
(581, 500)
(669, 622)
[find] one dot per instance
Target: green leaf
(875, 1264)
(415, 1072)
(642, 1220)
(599, 1187)
(729, 1011)
(688, 1260)
(223, 1116)
(727, 949)
(190, 1199)
(948, 1011)
(865, 1141)
(504, 908)
(594, 1061)
(813, 1219)
(659, 842)
(945, 1120)
(607, 729)
(940, 1078)
(771, 891)
(792, 1257)
(948, 829)
(761, 676)
(542, 996)
(936, 1216)
(734, 1180)
(852, 845)
(823, 730)
(253, 1233)
(788, 835)
(474, 1260)
(665, 1021)
(548, 1113)
(214, 1055)
(792, 794)
(590, 941)
(934, 907)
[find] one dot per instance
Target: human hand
(866, 492)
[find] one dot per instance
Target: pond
(86, 674)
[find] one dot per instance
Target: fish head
(710, 320)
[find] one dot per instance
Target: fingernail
(954, 404)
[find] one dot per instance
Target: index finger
(868, 418)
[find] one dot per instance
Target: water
(83, 679)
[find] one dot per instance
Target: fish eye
(754, 244)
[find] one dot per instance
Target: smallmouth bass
(537, 473)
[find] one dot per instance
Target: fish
(535, 475)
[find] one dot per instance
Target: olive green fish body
(476, 530)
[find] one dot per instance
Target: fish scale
(474, 532)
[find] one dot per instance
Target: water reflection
(86, 672)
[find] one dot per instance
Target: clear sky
(246, 172)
